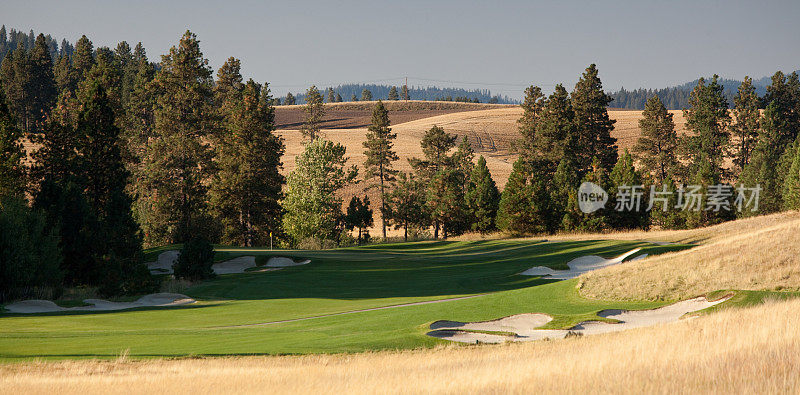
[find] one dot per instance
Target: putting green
(320, 302)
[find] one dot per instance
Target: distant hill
(417, 93)
(677, 97)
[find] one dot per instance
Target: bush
(195, 261)
(29, 253)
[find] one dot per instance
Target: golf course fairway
(317, 308)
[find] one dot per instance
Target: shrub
(195, 261)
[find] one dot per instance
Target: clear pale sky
(502, 46)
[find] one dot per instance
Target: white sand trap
(235, 265)
(279, 261)
(164, 263)
(579, 266)
(457, 331)
(152, 300)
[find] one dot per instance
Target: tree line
(367, 92)
(124, 153)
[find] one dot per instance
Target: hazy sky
(502, 46)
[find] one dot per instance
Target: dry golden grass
(761, 253)
(754, 350)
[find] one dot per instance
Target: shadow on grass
(422, 269)
(97, 312)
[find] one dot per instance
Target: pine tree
(338, 98)
(564, 188)
(525, 206)
(117, 241)
(625, 175)
(656, 148)
(139, 117)
(446, 203)
(313, 209)
(83, 58)
(763, 169)
(177, 161)
(745, 130)
(359, 216)
(593, 125)
(784, 95)
(393, 93)
(315, 111)
(65, 75)
(791, 185)
(290, 100)
(366, 95)
(532, 107)
(554, 136)
(354, 98)
(708, 119)
(380, 155)
(407, 204)
(404, 94)
(599, 220)
(482, 198)
(331, 95)
(666, 216)
(12, 170)
(435, 145)
(246, 192)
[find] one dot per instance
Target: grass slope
(335, 281)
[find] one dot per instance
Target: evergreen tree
(446, 203)
(117, 237)
(745, 130)
(435, 145)
(83, 58)
(625, 175)
(380, 155)
(290, 101)
(554, 136)
(177, 160)
(65, 75)
(41, 83)
(599, 220)
(482, 198)
(525, 206)
(784, 95)
(331, 95)
(763, 169)
(12, 153)
(665, 215)
(708, 119)
(139, 117)
(366, 95)
(407, 204)
(354, 98)
(791, 186)
(656, 148)
(593, 125)
(315, 111)
(359, 216)
(564, 189)
(313, 209)
(247, 190)
(393, 95)
(532, 107)
(338, 98)
(404, 93)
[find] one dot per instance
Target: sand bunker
(235, 265)
(279, 261)
(579, 266)
(164, 263)
(524, 326)
(152, 300)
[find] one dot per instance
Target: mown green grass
(335, 281)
